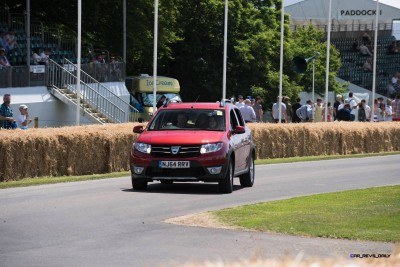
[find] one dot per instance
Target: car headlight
(208, 148)
(142, 147)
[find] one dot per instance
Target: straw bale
(93, 149)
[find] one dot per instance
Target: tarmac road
(105, 223)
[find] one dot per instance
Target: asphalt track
(105, 223)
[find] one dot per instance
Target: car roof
(196, 105)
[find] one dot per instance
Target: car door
(245, 140)
(236, 141)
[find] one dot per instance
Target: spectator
(364, 111)
(392, 48)
(286, 100)
(6, 113)
(305, 112)
(318, 107)
(36, 58)
(364, 50)
(3, 59)
(380, 114)
(161, 101)
(338, 102)
(390, 90)
(240, 102)
(344, 113)
(3, 43)
(45, 55)
(366, 38)
(247, 112)
(396, 108)
(258, 109)
(375, 110)
(275, 111)
(353, 106)
(23, 119)
(295, 107)
(367, 66)
(11, 41)
(355, 46)
(330, 113)
(115, 69)
(388, 110)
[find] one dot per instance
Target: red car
(206, 142)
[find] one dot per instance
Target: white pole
(225, 50)
(313, 86)
(124, 30)
(155, 55)
(374, 63)
(328, 48)
(28, 32)
(281, 63)
(78, 63)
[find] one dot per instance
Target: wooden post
(36, 122)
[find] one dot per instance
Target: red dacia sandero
(206, 142)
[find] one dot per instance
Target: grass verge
(64, 179)
(366, 214)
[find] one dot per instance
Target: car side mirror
(239, 130)
(138, 129)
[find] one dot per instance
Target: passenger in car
(213, 123)
(202, 121)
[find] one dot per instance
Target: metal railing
(61, 78)
(103, 90)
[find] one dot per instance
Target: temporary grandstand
(350, 20)
(50, 90)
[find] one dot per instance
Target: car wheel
(247, 179)
(139, 184)
(226, 184)
(167, 181)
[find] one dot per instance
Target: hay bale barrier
(98, 149)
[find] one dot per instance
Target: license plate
(174, 164)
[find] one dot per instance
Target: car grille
(192, 172)
(184, 151)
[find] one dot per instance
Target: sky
(395, 3)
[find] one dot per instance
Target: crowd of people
(342, 110)
(7, 120)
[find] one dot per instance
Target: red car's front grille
(175, 151)
(191, 172)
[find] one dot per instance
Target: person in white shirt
(45, 55)
(23, 119)
(388, 110)
(240, 102)
(36, 58)
(275, 111)
(247, 112)
(364, 50)
(305, 112)
(353, 106)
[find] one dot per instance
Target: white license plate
(174, 164)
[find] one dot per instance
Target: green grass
(328, 157)
(367, 214)
(64, 179)
(60, 179)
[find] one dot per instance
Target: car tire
(247, 179)
(166, 181)
(226, 185)
(139, 184)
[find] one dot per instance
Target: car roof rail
(169, 101)
(223, 102)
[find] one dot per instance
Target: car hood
(180, 137)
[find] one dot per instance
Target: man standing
(240, 103)
(295, 107)
(275, 111)
(6, 114)
(247, 112)
(396, 108)
(258, 109)
(338, 102)
(305, 112)
(353, 106)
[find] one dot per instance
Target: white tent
(344, 12)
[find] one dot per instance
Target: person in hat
(3, 59)
(23, 119)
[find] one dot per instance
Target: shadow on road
(182, 188)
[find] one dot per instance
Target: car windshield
(148, 98)
(185, 119)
